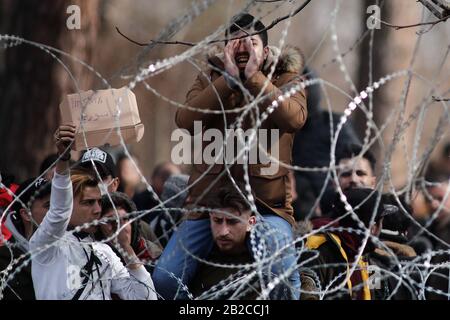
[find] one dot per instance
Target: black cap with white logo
(102, 160)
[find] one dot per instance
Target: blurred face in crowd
(111, 184)
(39, 209)
(158, 180)
(86, 208)
(108, 228)
(242, 53)
(356, 173)
(438, 193)
(229, 228)
(128, 173)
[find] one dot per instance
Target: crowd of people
(88, 229)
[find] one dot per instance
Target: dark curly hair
(121, 201)
(229, 197)
(250, 23)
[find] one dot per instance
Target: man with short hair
(229, 228)
(118, 207)
(354, 169)
(26, 213)
(67, 264)
(231, 222)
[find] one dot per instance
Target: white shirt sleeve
(131, 284)
(56, 220)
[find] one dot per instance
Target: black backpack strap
(87, 271)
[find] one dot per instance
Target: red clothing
(350, 241)
(351, 244)
(5, 200)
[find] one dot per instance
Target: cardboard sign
(101, 115)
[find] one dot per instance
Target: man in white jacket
(67, 263)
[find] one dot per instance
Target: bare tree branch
(191, 44)
(440, 99)
(432, 23)
(151, 41)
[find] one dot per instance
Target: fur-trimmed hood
(289, 59)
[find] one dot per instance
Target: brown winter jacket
(272, 191)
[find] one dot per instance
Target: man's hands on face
(123, 241)
(230, 64)
(254, 62)
(124, 236)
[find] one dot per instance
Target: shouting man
(246, 69)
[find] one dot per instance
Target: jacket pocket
(268, 171)
(270, 183)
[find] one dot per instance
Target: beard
(242, 75)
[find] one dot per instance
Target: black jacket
(387, 286)
(327, 268)
(209, 276)
(312, 145)
(20, 287)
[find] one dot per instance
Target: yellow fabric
(365, 278)
(315, 241)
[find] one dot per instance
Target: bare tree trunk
(379, 69)
(33, 82)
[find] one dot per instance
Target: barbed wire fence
(413, 274)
